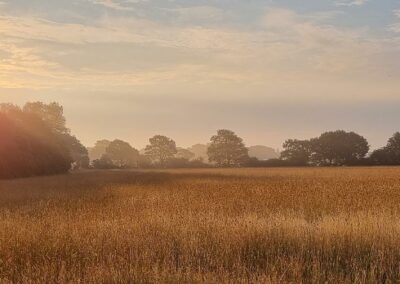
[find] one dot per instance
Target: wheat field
(339, 225)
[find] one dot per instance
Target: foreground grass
(203, 226)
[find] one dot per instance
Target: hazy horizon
(268, 70)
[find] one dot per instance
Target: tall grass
(203, 226)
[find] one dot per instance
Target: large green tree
(161, 149)
(227, 149)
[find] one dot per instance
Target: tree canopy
(338, 148)
(334, 148)
(78, 152)
(99, 149)
(29, 146)
(122, 154)
(227, 149)
(297, 152)
(390, 154)
(161, 149)
(53, 115)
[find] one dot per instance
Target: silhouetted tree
(227, 149)
(381, 157)
(28, 146)
(104, 163)
(53, 115)
(78, 152)
(393, 147)
(297, 152)
(338, 148)
(271, 163)
(161, 149)
(99, 149)
(390, 154)
(122, 154)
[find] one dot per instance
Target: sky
(269, 70)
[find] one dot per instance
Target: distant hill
(200, 151)
(263, 152)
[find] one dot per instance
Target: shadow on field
(94, 183)
(99, 179)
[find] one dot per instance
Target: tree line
(34, 140)
(226, 149)
(161, 152)
(339, 148)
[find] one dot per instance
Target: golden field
(334, 225)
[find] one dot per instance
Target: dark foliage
(390, 154)
(28, 145)
(52, 114)
(334, 148)
(104, 163)
(160, 150)
(122, 154)
(338, 148)
(227, 149)
(297, 152)
(35, 141)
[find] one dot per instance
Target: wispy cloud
(395, 27)
(351, 2)
(287, 45)
(197, 13)
(111, 4)
(282, 46)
